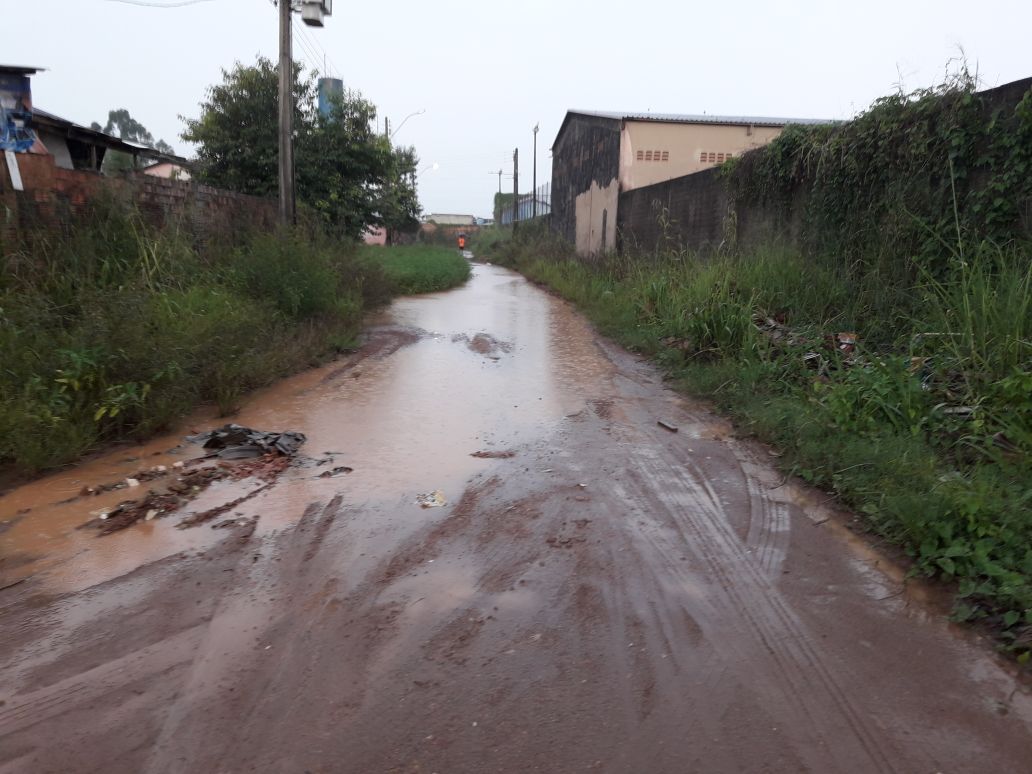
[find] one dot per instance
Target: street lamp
(432, 168)
(406, 118)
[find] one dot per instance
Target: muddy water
(488, 367)
(613, 597)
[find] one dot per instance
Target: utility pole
(313, 13)
(515, 187)
(286, 117)
(534, 206)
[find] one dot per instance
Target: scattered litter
(434, 499)
(845, 342)
(962, 411)
(132, 482)
(178, 465)
(667, 426)
(127, 513)
(234, 442)
(335, 472)
(237, 522)
(494, 455)
(582, 486)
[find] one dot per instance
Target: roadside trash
(335, 472)
(434, 499)
(667, 426)
(234, 442)
(131, 482)
(493, 455)
(845, 342)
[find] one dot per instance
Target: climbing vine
(918, 175)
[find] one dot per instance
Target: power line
(307, 53)
(314, 42)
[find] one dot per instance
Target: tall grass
(113, 328)
(419, 268)
(926, 429)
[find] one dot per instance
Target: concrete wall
(596, 216)
(53, 196)
(688, 211)
(681, 148)
(693, 211)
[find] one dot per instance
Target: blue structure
(330, 91)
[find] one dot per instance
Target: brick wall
(53, 197)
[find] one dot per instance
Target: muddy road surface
(597, 592)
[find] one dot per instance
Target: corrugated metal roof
(100, 138)
(21, 69)
(688, 118)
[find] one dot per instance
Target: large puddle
(489, 367)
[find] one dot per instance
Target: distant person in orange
(462, 241)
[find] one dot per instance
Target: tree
(399, 203)
(122, 125)
(237, 133)
(341, 165)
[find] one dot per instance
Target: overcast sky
(486, 72)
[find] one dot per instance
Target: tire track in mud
(774, 645)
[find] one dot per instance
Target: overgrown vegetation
(115, 328)
(913, 177)
(890, 354)
(420, 268)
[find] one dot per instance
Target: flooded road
(597, 594)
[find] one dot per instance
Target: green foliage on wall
(914, 176)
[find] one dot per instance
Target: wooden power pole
(286, 117)
(515, 187)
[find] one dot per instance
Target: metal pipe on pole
(534, 205)
(286, 117)
(515, 187)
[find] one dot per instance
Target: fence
(529, 206)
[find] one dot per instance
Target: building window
(648, 155)
(641, 155)
(666, 155)
(712, 157)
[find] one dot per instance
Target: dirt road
(610, 597)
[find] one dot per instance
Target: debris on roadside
(434, 499)
(187, 485)
(235, 442)
(127, 513)
(211, 513)
(338, 471)
(494, 455)
(667, 426)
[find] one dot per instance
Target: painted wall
(679, 147)
(596, 219)
(585, 157)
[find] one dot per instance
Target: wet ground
(597, 593)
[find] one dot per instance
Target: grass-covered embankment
(925, 428)
(114, 328)
(420, 268)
